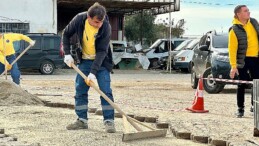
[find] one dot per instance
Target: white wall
(40, 14)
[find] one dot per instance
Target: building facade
(28, 16)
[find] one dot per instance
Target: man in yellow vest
(7, 54)
(94, 32)
(243, 48)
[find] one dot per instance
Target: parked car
(182, 46)
(46, 55)
(210, 59)
(183, 60)
(157, 53)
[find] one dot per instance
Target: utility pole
(170, 37)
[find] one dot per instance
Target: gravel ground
(138, 92)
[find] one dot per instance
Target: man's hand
(32, 43)
(233, 72)
(68, 60)
(90, 78)
(8, 66)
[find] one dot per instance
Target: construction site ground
(142, 93)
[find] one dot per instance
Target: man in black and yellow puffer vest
(7, 53)
(243, 52)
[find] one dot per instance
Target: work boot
(77, 125)
(240, 112)
(252, 109)
(109, 126)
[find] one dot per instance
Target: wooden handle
(106, 98)
(21, 54)
(18, 57)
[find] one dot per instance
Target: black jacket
(102, 42)
(242, 41)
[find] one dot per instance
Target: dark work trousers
(249, 72)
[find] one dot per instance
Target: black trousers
(249, 72)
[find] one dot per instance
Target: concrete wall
(40, 14)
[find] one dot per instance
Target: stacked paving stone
(178, 131)
(6, 140)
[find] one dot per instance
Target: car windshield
(156, 43)
(192, 43)
(182, 45)
(220, 41)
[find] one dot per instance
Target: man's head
(242, 13)
(96, 15)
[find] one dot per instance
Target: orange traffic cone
(198, 103)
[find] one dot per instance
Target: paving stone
(256, 132)
(200, 139)
(98, 112)
(5, 139)
(217, 142)
(162, 125)
(117, 115)
(139, 118)
(92, 110)
(131, 115)
(183, 135)
(1, 131)
(70, 106)
(3, 135)
(150, 119)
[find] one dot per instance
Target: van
(157, 53)
(46, 55)
(183, 59)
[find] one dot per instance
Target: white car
(183, 59)
(157, 53)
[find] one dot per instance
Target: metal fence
(15, 27)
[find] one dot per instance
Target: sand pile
(11, 94)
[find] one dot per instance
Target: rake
(127, 136)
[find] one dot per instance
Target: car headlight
(222, 58)
(181, 59)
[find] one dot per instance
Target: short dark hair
(238, 8)
(97, 10)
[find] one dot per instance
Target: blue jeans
(15, 72)
(81, 98)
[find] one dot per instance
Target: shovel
(18, 57)
(140, 134)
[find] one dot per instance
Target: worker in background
(243, 52)
(7, 54)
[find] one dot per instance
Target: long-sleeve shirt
(6, 44)
(252, 42)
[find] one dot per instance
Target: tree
(177, 30)
(138, 27)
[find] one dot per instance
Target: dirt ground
(139, 92)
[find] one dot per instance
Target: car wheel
(211, 86)
(47, 67)
(154, 63)
(189, 67)
(194, 80)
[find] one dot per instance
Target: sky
(202, 16)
